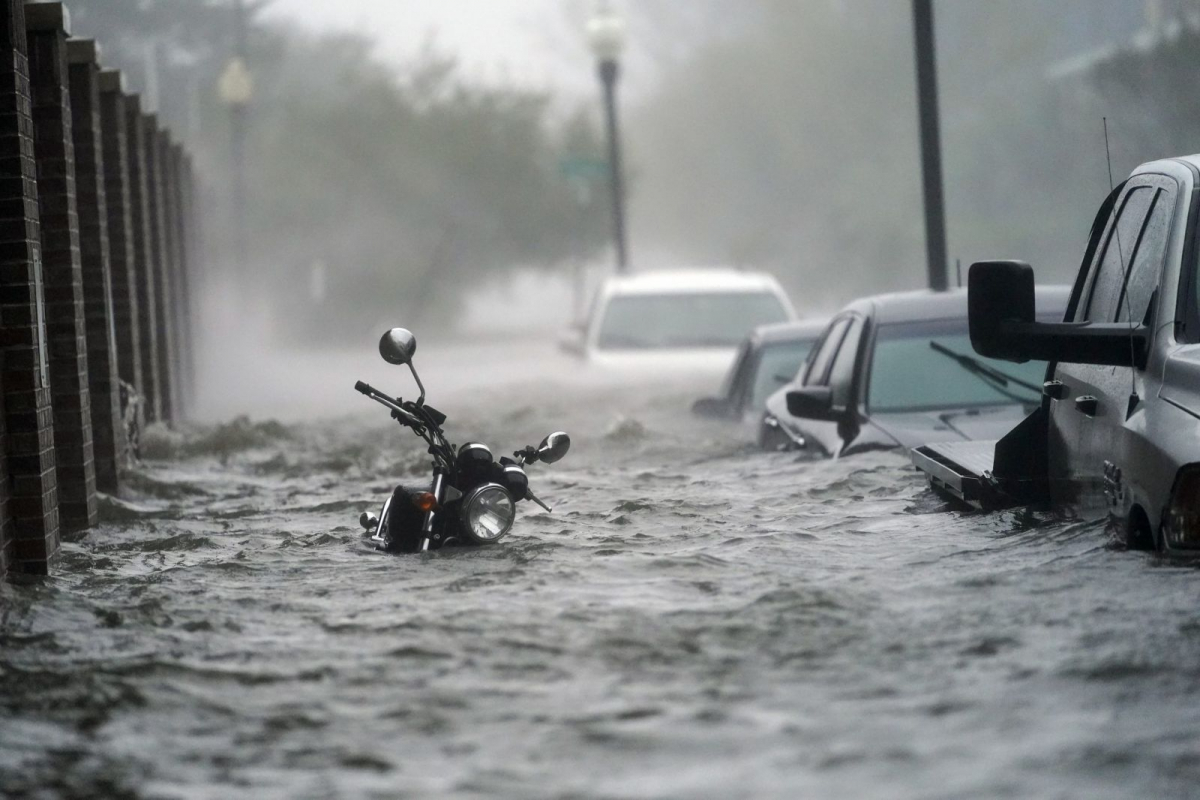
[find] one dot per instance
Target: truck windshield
(776, 366)
(644, 321)
(908, 374)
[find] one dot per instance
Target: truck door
(1087, 420)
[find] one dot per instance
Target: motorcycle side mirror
(398, 346)
(553, 447)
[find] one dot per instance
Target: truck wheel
(1138, 535)
(771, 439)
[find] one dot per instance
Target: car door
(820, 434)
(1087, 418)
(843, 384)
(836, 367)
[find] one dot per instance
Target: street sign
(594, 169)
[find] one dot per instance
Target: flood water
(695, 619)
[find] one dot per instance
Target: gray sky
(532, 42)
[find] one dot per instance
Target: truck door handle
(1086, 404)
(1055, 390)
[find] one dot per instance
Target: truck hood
(713, 361)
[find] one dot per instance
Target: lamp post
(606, 36)
(236, 89)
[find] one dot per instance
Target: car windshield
(924, 366)
(776, 366)
(645, 321)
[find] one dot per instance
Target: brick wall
(163, 276)
(123, 260)
(146, 259)
(192, 237)
(29, 427)
(54, 149)
(94, 261)
(182, 285)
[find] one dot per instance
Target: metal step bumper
(960, 471)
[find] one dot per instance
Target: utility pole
(931, 145)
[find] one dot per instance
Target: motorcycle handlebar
(398, 413)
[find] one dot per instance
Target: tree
(374, 194)
(789, 140)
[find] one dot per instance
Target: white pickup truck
(1118, 429)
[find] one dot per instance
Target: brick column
(182, 284)
(146, 260)
(193, 236)
(170, 247)
(91, 205)
(29, 425)
(122, 250)
(46, 26)
(8, 541)
(161, 253)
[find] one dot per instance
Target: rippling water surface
(695, 619)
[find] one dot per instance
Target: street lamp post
(236, 89)
(606, 35)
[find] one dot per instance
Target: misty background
(406, 158)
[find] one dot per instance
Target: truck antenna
(1133, 395)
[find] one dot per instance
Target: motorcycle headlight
(487, 513)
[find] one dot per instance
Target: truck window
(841, 374)
(819, 363)
(1109, 278)
(1147, 261)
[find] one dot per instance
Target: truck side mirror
(1002, 322)
(813, 402)
(999, 292)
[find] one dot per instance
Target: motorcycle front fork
(439, 495)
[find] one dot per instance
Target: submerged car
(897, 370)
(1117, 431)
(767, 359)
(677, 320)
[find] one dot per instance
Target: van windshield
(644, 321)
(924, 366)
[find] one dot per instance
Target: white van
(678, 320)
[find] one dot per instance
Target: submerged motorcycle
(471, 499)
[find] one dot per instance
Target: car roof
(788, 331)
(926, 304)
(685, 281)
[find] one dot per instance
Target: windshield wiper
(999, 380)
